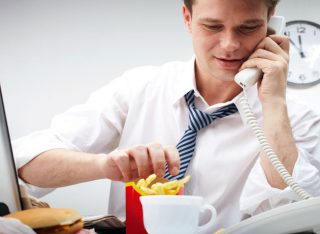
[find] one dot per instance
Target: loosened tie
(197, 121)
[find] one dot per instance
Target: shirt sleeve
(259, 196)
(92, 127)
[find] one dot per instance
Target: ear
(186, 17)
(271, 13)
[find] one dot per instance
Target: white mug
(175, 214)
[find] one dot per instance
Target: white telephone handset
(291, 218)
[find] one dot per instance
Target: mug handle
(207, 227)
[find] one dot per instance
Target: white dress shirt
(147, 105)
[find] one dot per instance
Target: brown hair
(271, 4)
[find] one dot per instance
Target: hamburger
(50, 220)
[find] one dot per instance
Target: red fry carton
(134, 214)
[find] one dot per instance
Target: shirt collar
(186, 80)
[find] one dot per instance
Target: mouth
(229, 63)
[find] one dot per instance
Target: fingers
(152, 158)
(275, 43)
(118, 166)
(263, 59)
(142, 160)
(157, 155)
(173, 159)
(140, 156)
(265, 54)
(272, 68)
(123, 163)
(272, 49)
(282, 41)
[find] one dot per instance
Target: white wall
(54, 53)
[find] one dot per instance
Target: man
(129, 128)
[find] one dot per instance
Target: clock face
(304, 66)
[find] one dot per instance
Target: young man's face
(224, 34)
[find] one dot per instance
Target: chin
(225, 76)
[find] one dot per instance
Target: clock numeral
(302, 77)
(316, 74)
(301, 29)
(289, 74)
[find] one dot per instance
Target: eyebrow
(210, 20)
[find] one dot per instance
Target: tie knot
(199, 119)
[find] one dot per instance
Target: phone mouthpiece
(247, 77)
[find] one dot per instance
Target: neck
(216, 91)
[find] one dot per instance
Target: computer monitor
(10, 195)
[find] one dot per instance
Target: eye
(214, 27)
(248, 29)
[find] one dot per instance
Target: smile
(229, 63)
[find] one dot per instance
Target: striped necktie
(197, 121)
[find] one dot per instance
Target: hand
(272, 57)
(140, 161)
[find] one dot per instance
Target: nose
(229, 41)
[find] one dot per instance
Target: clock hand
(297, 48)
(294, 44)
(301, 50)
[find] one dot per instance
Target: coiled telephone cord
(285, 175)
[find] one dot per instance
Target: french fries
(149, 187)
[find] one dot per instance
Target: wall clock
(304, 66)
